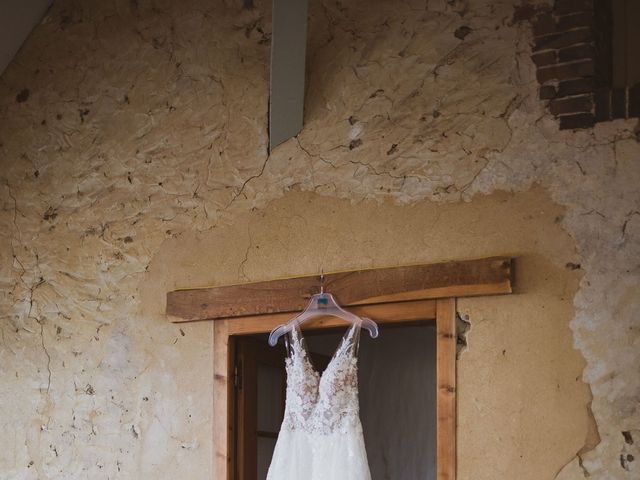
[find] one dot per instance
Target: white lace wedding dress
(321, 434)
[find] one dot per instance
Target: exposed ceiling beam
(467, 278)
(17, 19)
(288, 52)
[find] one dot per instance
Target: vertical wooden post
(222, 403)
(446, 395)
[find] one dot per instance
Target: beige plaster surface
(522, 405)
(137, 163)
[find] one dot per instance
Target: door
(260, 380)
(260, 393)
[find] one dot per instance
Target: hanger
(321, 305)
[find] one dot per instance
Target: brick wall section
(617, 103)
(570, 70)
(564, 53)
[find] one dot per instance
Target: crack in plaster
(46, 352)
(245, 183)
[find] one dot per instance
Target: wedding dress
(321, 434)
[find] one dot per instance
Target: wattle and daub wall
(133, 160)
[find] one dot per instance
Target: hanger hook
(321, 281)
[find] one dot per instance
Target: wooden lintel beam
(487, 276)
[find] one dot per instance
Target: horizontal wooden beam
(383, 313)
(488, 276)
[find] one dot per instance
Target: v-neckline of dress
(302, 343)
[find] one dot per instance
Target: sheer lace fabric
(321, 434)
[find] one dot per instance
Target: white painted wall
(17, 19)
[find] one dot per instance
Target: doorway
(397, 391)
(390, 296)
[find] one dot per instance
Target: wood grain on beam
(488, 276)
(446, 393)
(383, 314)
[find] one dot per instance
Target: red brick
(576, 86)
(544, 25)
(547, 92)
(564, 39)
(564, 106)
(544, 58)
(577, 52)
(567, 22)
(577, 121)
(563, 7)
(566, 71)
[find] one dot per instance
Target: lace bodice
(321, 436)
(322, 403)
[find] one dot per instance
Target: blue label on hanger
(323, 301)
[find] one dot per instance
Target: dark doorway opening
(397, 387)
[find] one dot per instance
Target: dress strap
(350, 341)
(355, 337)
(297, 346)
(291, 340)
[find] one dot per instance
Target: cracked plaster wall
(133, 160)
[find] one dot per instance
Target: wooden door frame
(442, 311)
(249, 353)
(389, 296)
